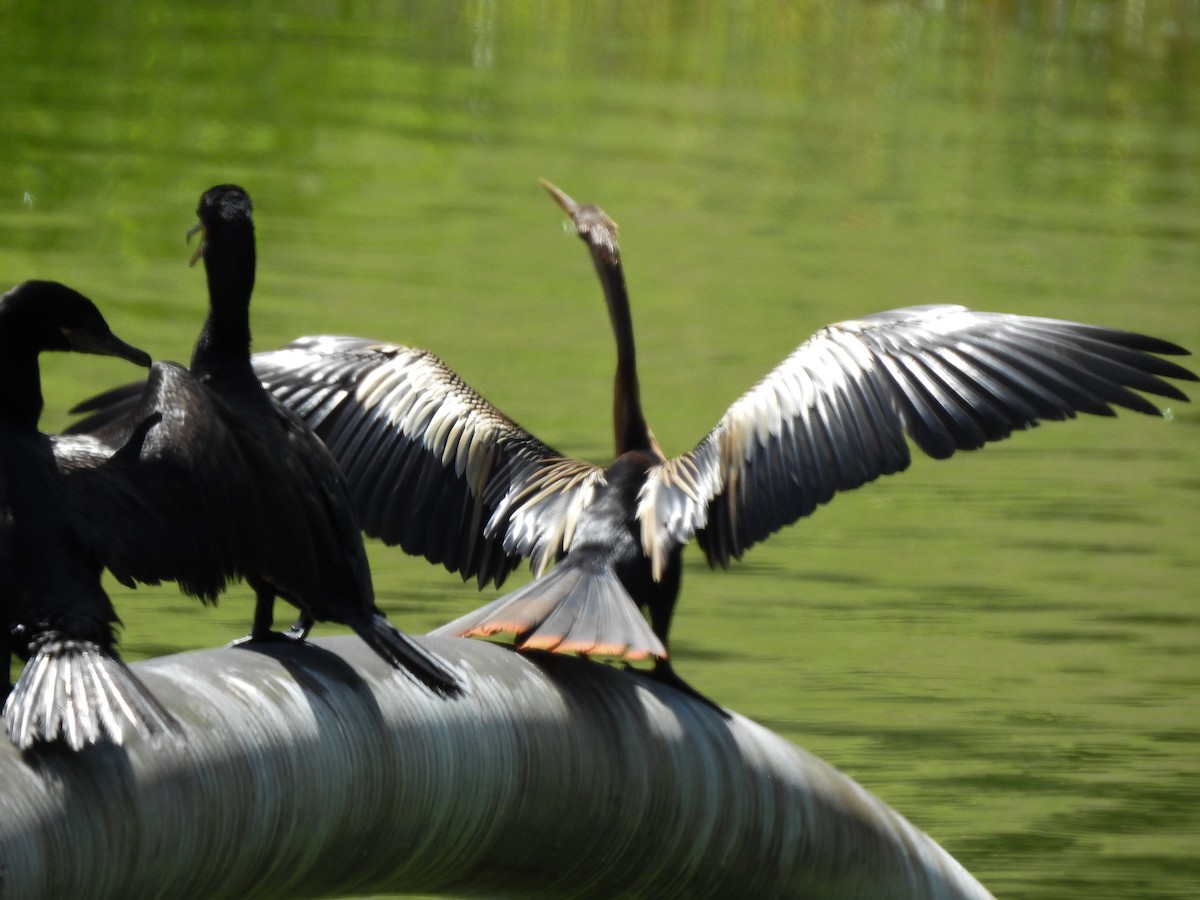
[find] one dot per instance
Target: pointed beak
(197, 228)
(569, 206)
(591, 223)
(107, 344)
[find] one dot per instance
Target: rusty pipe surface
(318, 770)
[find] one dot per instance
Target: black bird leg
(264, 618)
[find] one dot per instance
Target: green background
(1002, 646)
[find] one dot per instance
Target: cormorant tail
(79, 693)
(406, 654)
(578, 606)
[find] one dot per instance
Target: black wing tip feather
(1045, 369)
(107, 398)
(1134, 340)
(76, 693)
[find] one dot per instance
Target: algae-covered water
(1004, 646)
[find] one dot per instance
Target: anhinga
(435, 468)
(57, 616)
(239, 485)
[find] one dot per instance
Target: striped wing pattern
(542, 506)
(432, 466)
(835, 414)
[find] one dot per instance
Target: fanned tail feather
(79, 693)
(574, 608)
(407, 655)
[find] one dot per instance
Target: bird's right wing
(432, 466)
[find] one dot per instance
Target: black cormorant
(255, 494)
(74, 687)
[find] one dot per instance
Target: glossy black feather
(56, 615)
(237, 485)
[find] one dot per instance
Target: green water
(1003, 646)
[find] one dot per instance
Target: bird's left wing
(835, 413)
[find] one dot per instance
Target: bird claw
(291, 636)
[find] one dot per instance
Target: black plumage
(74, 688)
(239, 486)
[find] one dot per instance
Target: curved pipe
(317, 770)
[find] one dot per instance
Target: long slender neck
(629, 424)
(223, 347)
(20, 382)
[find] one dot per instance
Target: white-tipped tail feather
(79, 693)
(573, 608)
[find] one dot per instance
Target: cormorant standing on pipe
(255, 493)
(56, 615)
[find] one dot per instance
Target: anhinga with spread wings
(56, 615)
(237, 484)
(438, 470)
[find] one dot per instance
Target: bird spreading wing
(834, 415)
(432, 466)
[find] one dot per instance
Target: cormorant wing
(111, 408)
(317, 486)
(175, 491)
(431, 465)
(835, 413)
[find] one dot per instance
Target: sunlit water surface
(1002, 646)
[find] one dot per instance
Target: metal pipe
(318, 770)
